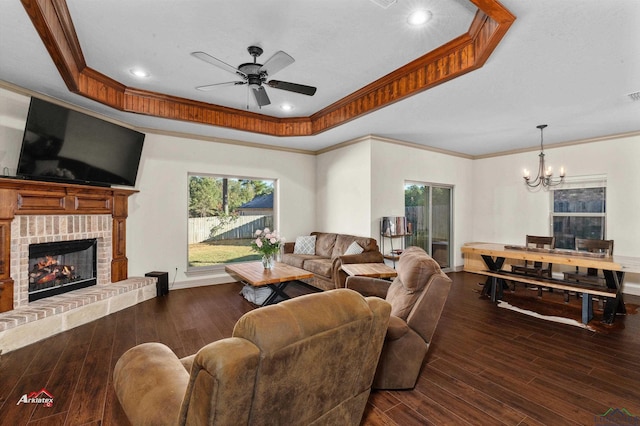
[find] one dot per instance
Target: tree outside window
(578, 213)
(224, 213)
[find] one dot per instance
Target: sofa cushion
(296, 260)
(324, 243)
(397, 328)
(344, 241)
(319, 266)
(305, 245)
(354, 248)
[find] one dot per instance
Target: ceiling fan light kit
(255, 75)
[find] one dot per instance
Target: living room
(553, 373)
(347, 185)
(348, 189)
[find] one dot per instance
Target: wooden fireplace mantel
(26, 197)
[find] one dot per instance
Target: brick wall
(36, 229)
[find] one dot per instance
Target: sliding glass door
(428, 208)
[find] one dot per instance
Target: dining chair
(590, 275)
(537, 269)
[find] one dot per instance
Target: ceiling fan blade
(213, 86)
(261, 96)
(292, 87)
(278, 61)
(217, 62)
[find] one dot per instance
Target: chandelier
(545, 174)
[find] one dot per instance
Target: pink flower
(273, 240)
(266, 230)
(258, 232)
(258, 242)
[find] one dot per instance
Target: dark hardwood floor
(487, 365)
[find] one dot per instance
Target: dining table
(495, 257)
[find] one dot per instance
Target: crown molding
(559, 145)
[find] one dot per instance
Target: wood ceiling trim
(175, 108)
(52, 21)
(468, 52)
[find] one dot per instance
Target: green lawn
(215, 252)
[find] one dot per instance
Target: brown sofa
(329, 257)
(417, 297)
(305, 361)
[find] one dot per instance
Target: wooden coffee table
(254, 274)
(375, 270)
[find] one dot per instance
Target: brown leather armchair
(308, 360)
(417, 297)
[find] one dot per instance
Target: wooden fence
(210, 228)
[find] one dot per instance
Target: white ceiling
(564, 63)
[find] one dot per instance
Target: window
(224, 213)
(579, 212)
(429, 213)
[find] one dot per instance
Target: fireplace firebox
(62, 266)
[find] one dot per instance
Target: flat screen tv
(63, 145)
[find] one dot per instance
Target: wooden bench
(588, 291)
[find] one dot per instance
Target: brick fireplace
(38, 212)
(38, 229)
(42, 212)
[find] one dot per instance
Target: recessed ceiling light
(139, 72)
(419, 17)
(286, 107)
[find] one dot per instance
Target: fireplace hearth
(60, 267)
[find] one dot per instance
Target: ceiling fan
(255, 74)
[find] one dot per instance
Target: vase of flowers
(268, 244)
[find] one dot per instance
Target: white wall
(394, 164)
(343, 190)
(349, 189)
(13, 118)
(359, 184)
(504, 210)
(157, 224)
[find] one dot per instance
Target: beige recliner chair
(309, 360)
(417, 296)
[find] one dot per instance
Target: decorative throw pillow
(354, 248)
(305, 245)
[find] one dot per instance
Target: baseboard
(201, 282)
(631, 288)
